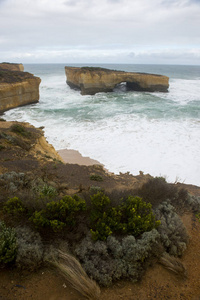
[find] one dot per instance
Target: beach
(71, 156)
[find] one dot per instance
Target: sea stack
(17, 88)
(94, 80)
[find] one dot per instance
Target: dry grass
(174, 265)
(73, 272)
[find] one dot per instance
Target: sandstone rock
(93, 80)
(12, 66)
(17, 88)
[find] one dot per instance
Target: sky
(103, 31)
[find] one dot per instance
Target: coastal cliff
(12, 66)
(17, 88)
(94, 80)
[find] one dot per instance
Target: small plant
(47, 191)
(198, 216)
(8, 244)
(14, 206)
(95, 189)
(96, 177)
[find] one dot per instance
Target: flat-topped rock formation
(94, 80)
(17, 88)
(12, 66)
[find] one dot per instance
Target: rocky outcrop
(17, 88)
(12, 66)
(93, 80)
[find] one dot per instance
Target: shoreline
(71, 156)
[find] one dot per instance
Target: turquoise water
(157, 133)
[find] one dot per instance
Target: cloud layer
(118, 31)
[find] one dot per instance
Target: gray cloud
(66, 30)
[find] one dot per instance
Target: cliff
(17, 88)
(12, 66)
(93, 80)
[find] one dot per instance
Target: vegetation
(8, 244)
(30, 250)
(60, 214)
(96, 177)
(133, 216)
(14, 206)
(156, 190)
(114, 259)
(21, 130)
(76, 276)
(113, 236)
(7, 76)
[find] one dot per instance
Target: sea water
(157, 133)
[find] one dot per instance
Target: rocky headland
(94, 80)
(17, 88)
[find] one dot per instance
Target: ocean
(156, 133)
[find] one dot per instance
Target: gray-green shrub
(172, 230)
(113, 259)
(30, 249)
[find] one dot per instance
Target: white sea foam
(155, 133)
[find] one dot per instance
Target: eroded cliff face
(17, 88)
(93, 80)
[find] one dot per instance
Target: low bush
(114, 259)
(8, 244)
(133, 216)
(59, 214)
(96, 177)
(14, 206)
(156, 190)
(172, 230)
(30, 249)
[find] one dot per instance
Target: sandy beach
(74, 157)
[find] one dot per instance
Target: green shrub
(8, 244)
(96, 177)
(39, 219)
(133, 216)
(14, 206)
(198, 216)
(137, 216)
(59, 214)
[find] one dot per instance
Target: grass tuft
(76, 276)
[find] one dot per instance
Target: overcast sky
(103, 31)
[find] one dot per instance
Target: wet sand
(75, 157)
